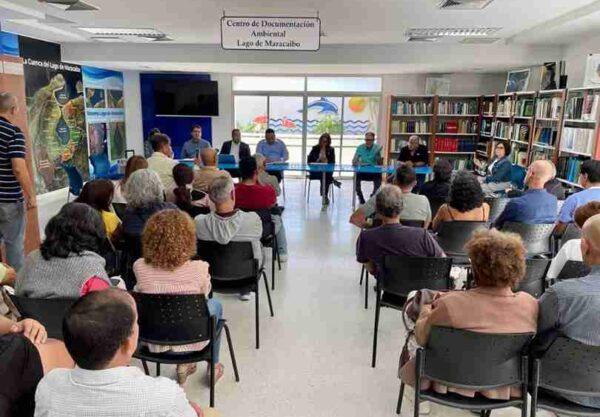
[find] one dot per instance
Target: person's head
(153, 131)
(236, 135)
(248, 169)
(413, 142)
(169, 239)
(134, 163)
(144, 189)
(76, 228)
(209, 157)
(183, 176)
(8, 104)
(388, 202)
(405, 178)
(502, 149)
(369, 139)
(261, 162)
(270, 135)
(221, 192)
(161, 143)
(590, 241)
(196, 132)
(539, 173)
(98, 194)
(442, 170)
(497, 258)
(590, 173)
(465, 192)
(583, 213)
(100, 329)
(325, 140)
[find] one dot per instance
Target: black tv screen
(186, 98)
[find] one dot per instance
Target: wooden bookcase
(547, 125)
(410, 115)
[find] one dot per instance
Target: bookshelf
(489, 105)
(410, 115)
(547, 124)
(522, 126)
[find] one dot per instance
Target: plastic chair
(534, 282)
(568, 367)
(175, 320)
(570, 233)
(475, 361)
(131, 252)
(453, 236)
(573, 269)
(119, 209)
(497, 206)
(308, 180)
(48, 311)
(401, 275)
(233, 270)
(101, 165)
(536, 237)
(75, 181)
(517, 176)
(435, 203)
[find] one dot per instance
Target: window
(268, 84)
(345, 84)
(251, 117)
(360, 117)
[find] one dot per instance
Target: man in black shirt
(417, 154)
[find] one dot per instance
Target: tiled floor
(315, 355)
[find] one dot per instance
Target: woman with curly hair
(465, 202)
(498, 261)
(169, 242)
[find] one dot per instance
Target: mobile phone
(197, 153)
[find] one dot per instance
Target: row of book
(486, 127)
(412, 107)
(457, 126)
(520, 132)
(505, 107)
(458, 107)
(488, 107)
(549, 108)
(577, 140)
(569, 168)
(525, 107)
(583, 108)
(454, 145)
(519, 157)
(410, 126)
(545, 135)
(502, 130)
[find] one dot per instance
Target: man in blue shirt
(274, 150)
(369, 153)
(536, 205)
(191, 149)
(590, 180)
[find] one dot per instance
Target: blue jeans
(215, 309)
(280, 233)
(12, 232)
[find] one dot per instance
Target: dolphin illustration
(324, 106)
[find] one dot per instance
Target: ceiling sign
(271, 33)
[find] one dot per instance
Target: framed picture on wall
(437, 86)
(517, 81)
(548, 79)
(592, 71)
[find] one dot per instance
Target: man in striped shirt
(16, 189)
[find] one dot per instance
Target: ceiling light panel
(450, 32)
(146, 33)
(464, 4)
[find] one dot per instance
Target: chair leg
(268, 293)
(157, 368)
(418, 374)
(257, 318)
(231, 352)
(377, 309)
(482, 413)
(308, 193)
(362, 274)
(273, 256)
(276, 246)
(400, 397)
(366, 290)
(145, 365)
(212, 383)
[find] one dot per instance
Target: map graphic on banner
(105, 112)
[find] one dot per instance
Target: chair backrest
(226, 159)
(132, 251)
(413, 223)
(453, 236)
(517, 176)
(403, 274)
(435, 204)
(497, 206)
(570, 233)
(75, 179)
(534, 282)
(101, 165)
(173, 319)
(570, 367)
(48, 311)
(231, 262)
(119, 209)
(536, 237)
(573, 269)
(473, 360)
(266, 220)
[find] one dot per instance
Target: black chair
(453, 236)
(413, 223)
(570, 233)
(497, 206)
(474, 361)
(131, 248)
(402, 274)
(48, 311)
(119, 209)
(234, 270)
(567, 368)
(573, 269)
(536, 237)
(112, 257)
(534, 282)
(435, 203)
(175, 320)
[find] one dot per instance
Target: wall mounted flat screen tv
(186, 98)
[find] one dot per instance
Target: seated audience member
(208, 170)
(264, 178)
(415, 207)
(148, 144)
(392, 238)
(101, 334)
(133, 164)
(250, 195)
(98, 194)
(465, 202)
(228, 224)
(169, 243)
(438, 189)
(571, 250)
(162, 161)
(498, 261)
(553, 186)
(536, 205)
(498, 172)
(145, 196)
(572, 307)
(67, 265)
(8, 275)
(26, 355)
(590, 180)
(183, 196)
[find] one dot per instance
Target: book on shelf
(519, 157)
(549, 108)
(520, 132)
(502, 130)
(398, 144)
(487, 127)
(458, 107)
(539, 154)
(454, 145)
(488, 107)
(545, 135)
(412, 107)
(458, 164)
(505, 107)
(569, 168)
(525, 107)
(457, 126)
(583, 108)
(410, 126)
(577, 140)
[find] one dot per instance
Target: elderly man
(590, 180)
(414, 152)
(264, 178)
(274, 150)
(195, 145)
(369, 153)
(392, 238)
(162, 161)
(536, 205)
(208, 170)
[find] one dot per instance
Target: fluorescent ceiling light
(422, 39)
(464, 4)
(479, 40)
(442, 32)
(146, 33)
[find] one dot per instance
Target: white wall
(575, 56)
(222, 125)
(133, 111)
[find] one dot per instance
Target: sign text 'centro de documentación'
(271, 33)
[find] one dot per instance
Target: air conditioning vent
(464, 4)
(479, 41)
(70, 5)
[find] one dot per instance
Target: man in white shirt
(162, 161)
(100, 332)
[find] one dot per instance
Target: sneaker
(283, 258)
(246, 296)
(326, 202)
(337, 183)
